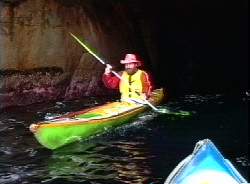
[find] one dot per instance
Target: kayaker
(134, 83)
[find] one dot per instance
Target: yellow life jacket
(131, 86)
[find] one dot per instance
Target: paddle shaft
(101, 61)
(93, 54)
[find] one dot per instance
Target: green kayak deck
(84, 124)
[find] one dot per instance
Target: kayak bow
(205, 165)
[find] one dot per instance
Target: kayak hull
(89, 122)
(205, 165)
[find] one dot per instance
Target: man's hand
(108, 69)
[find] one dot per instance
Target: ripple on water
(5, 151)
(243, 160)
(7, 178)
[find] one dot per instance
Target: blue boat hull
(205, 165)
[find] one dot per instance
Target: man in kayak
(134, 83)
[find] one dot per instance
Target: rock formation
(34, 37)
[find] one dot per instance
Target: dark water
(145, 151)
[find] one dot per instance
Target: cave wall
(34, 34)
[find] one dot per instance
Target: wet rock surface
(31, 86)
(35, 44)
(47, 84)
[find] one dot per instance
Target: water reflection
(136, 168)
(114, 162)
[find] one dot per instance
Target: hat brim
(129, 61)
